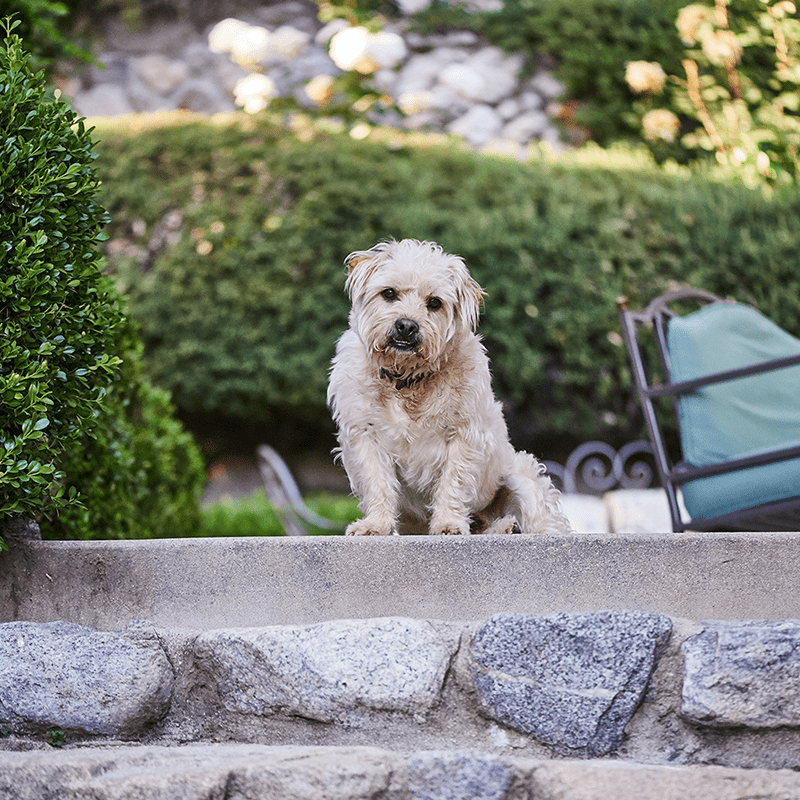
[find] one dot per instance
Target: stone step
(257, 772)
(646, 648)
(629, 684)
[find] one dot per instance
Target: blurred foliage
(590, 41)
(43, 27)
(241, 302)
(737, 93)
(357, 12)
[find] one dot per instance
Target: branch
(693, 85)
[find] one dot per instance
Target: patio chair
(733, 379)
(283, 493)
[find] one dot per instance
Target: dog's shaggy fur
(421, 436)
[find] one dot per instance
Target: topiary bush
(230, 239)
(81, 436)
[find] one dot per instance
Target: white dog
(421, 436)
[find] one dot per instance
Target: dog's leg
(450, 513)
(374, 481)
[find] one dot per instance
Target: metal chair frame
(672, 476)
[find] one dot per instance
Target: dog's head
(411, 302)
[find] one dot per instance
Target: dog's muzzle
(405, 334)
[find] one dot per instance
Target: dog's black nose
(405, 329)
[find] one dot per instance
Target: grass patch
(254, 515)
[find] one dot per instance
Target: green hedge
(241, 311)
(86, 444)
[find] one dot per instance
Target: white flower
(722, 46)
(348, 50)
(660, 123)
(645, 76)
(252, 46)
(360, 131)
(358, 49)
(689, 20)
(320, 89)
(254, 92)
(224, 34)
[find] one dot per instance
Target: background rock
(452, 81)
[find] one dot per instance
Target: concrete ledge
(199, 584)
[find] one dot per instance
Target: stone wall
(637, 686)
(233, 55)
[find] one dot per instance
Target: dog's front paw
(504, 526)
(452, 528)
(366, 527)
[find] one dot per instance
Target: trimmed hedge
(229, 240)
(86, 444)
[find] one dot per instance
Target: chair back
(733, 377)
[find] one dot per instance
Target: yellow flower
(689, 20)
(645, 76)
(660, 124)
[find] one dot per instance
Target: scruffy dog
(421, 436)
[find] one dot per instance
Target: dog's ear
(468, 293)
(360, 266)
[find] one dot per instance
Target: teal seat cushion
(737, 418)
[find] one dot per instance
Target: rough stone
(333, 671)
(104, 100)
(544, 84)
(254, 772)
(246, 772)
(458, 774)
(202, 96)
(18, 528)
(63, 675)
(602, 780)
(530, 125)
(418, 74)
(478, 126)
(573, 681)
(162, 75)
(744, 673)
(437, 80)
(498, 70)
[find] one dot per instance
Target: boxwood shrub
(86, 445)
(229, 238)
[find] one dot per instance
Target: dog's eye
(434, 303)
(390, 295)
